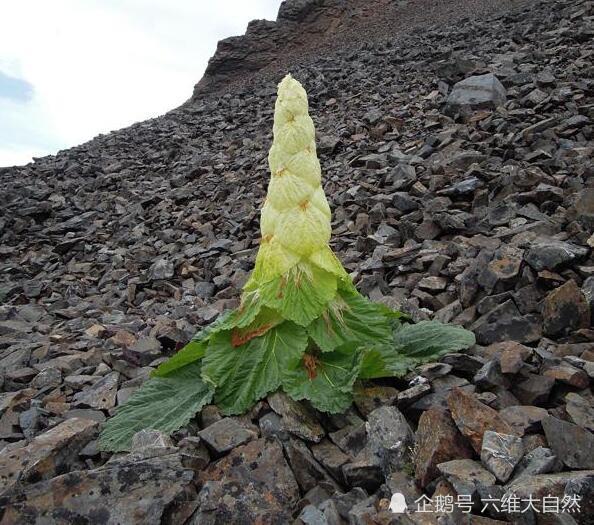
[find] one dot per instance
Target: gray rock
(308, 472)
(101, 395)
(501, 453)
(255, 478)
(122, 491)
(144, 351)
(389, 438)
(478, 92)
(466, 475)
(552, 254)
(571, 444)
(534, 390)
(226, 434)
(46, 455)
(297, 418)
(162, 269)
(580, 411)
(541, 460)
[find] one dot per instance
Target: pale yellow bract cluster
(295, 220)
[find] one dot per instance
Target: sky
(71, 69)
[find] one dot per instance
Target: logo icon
(397, 503)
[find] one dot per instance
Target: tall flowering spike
(301, 326)
(295, 220)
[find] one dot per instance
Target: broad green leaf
(350, 318)
(162, 403)
(196, 348)
(264, 321)
(414, 344)
(327, 382)
(430, 339)
(193, 351)
(301, 294)
(244, 374)
(380, 361)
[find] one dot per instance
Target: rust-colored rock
(565, 308)
(438, 440)
(473, 418)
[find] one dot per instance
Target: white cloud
(99, 65)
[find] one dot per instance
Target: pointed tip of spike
(289, 86)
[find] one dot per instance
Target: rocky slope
(470, 202)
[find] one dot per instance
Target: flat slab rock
(121, 492)
(47, 454)
(252, 484)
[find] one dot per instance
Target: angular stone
(505, 323)
(122, 491)
(563, 372)
(534, 390)
(524, 419)
(556, 486)
(162, 269)
(437, 440)
(149, 438)
(580, 411)
(307, 471)
(501, 453)
(466, 475)
(101, 395)
(364, 471)
(541, 460)
(330, 457)
(144, 351)
(552, 254)
(48, 454)
(490, 376)
(389, 437)
(511, 356)
(571, 444)
(565, 308)
(297, 418)
(253, 482)
(474, 418)
(368, 398)
(478, 92)
(226, 434)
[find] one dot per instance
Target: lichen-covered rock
(253, 483)
(122, 491)
(46, 455)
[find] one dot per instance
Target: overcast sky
(70, 69)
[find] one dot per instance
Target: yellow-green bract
(295, 220)
(301, 326)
